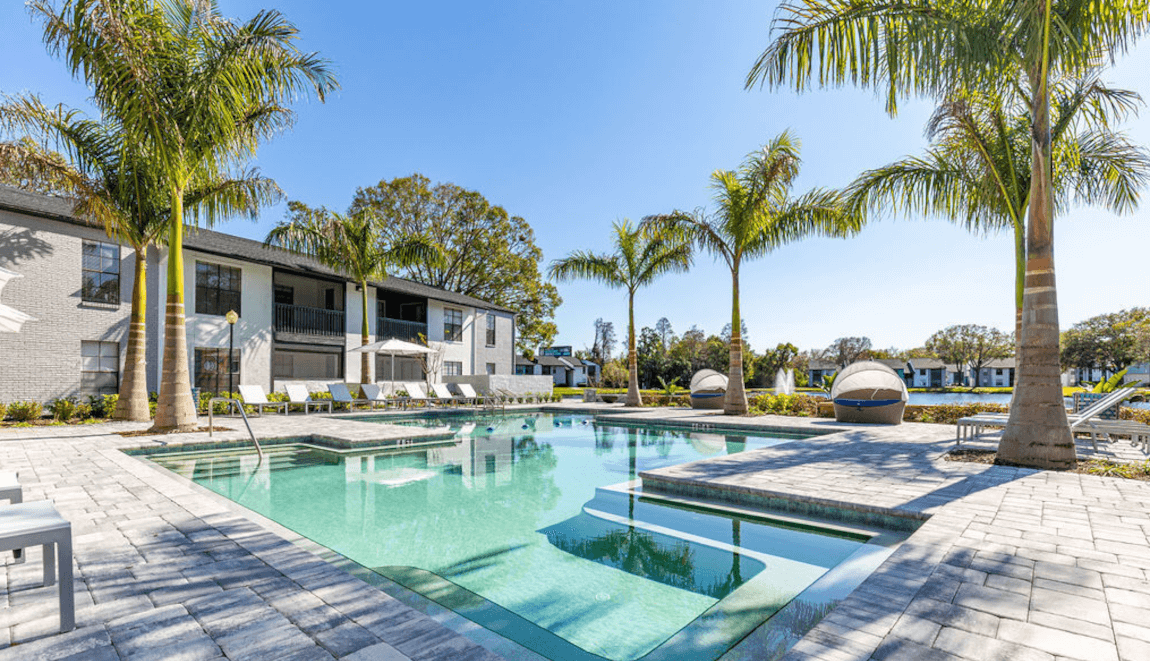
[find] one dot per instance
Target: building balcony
(408, 331)
(299, 322)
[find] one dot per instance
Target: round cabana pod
(707, 389)
(869, 392)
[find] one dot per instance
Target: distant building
(818, 369)
(998, 373)
(927, 373)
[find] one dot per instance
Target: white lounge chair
(415, 393)
(341, 394)
(444, 395)
(376, 394)
(1085, 421)
(38, 523)
(468, 393)
(255, 396)
(298, 395)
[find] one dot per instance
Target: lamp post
(232, 318)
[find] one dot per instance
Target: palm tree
(200, 93)
(757, 215)
(115, 184)
(641, 255)
(353, 245)
(934, 48)
(977, 170)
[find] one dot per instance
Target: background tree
(1108, 342)
(641, 255)
(351, 244)
(666, 333)
(930, 48)
(756, 215)
(603, 348)
(488, 253)
(150, 67)
(782, 357)
(987, 344)
(847, 350)
(114, 183)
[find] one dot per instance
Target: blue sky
(574, 115)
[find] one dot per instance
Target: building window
(490, 330)
(491, 368)
(452, 325)
(452, 368)
(101, 273)
(99, 368)
(212, 369)
(306, 365)
(217, 289)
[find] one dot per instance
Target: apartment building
(297, 318)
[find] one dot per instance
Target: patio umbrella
(393, 348)
(10, 319)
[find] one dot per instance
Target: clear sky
(576, 114)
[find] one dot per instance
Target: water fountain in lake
(785, 382)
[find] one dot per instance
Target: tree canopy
(489, 254)
(1109, 342)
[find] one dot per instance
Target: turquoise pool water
(512, 525)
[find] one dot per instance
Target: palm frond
(586, 265)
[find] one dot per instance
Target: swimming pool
(530, 526)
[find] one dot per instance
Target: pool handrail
(239, 405)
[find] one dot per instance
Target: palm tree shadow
(21, 245)
(865, 455)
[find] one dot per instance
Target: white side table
(38, 522)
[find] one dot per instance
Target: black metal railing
(386, 328)
(309, 321)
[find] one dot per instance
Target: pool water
(515, 524)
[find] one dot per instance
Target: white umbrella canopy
(10, 319)
(393, 347)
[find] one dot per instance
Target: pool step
(199, 468)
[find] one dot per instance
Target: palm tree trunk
(735, 400)
(365, 339)
(633, 396)
(1019, 283)
(175, 409)
(133, 401)
(1037, 433)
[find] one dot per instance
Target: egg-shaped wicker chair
(707, 389)
(870, 392)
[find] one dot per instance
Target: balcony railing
(399, 329)
(309, 321)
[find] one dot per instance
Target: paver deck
(1012, 563)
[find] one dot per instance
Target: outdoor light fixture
(232, 318)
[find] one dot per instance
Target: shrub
(84, 412)
(25, 411)
(62, 409)
(798, 404)
(3, 409)
(103, 406)
(949, 414)
(1139, 415)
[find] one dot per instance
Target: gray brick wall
(43, 361)
(501, 353)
